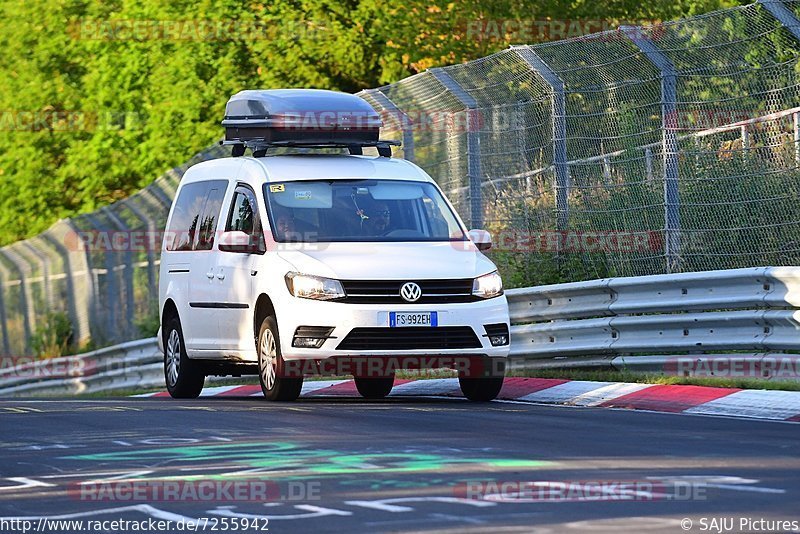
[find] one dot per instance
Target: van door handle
(210, 275)
(221, 275)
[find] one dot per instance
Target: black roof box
(299, 117)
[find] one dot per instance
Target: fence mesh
(637, 151)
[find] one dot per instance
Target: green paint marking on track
(301, 461)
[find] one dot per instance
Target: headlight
(313, 287)
(488, 286)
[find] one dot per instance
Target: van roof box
(311, 118)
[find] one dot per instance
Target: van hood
(388, 261)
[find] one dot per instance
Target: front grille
(388, 291)
(442, 337)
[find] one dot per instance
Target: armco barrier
(642, 322)
(128, 365)
(639, 323)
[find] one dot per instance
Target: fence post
(163, 198)
(648, 163)
(784, 15)
(669, 125)
(79, 321)
(127, 268)
(3, 320)
(787, 17)
(406, 126)
(110, 300)
(25, 300)
(559, 116)
(796, 131)
(152, 245)
(474, 171)
(88, 308)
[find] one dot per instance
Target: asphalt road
(399, 465)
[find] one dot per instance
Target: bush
(53, 338)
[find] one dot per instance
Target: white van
(287, 266)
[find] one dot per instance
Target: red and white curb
(699, 400)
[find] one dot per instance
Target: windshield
(359, 210)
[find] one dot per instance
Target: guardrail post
(406, 126)
(559, 116)
(474, 171)
(669, 124)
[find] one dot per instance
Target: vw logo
(410, 292)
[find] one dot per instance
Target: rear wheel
(183, 376)
(374, 388)
(271, 366)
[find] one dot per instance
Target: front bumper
(343, 317)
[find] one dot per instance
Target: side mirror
(238, 241)
(481, 238)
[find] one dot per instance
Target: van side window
(209, 218)
(243, 215)
(193, 206)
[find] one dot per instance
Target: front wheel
(183, 376)
(481, 389)
(486, 380)
(374, 388)
(271, 366)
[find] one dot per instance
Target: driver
(380, 219)
(284, 224)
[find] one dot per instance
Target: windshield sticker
(277, 188)
(302, 195)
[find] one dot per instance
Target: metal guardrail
(135, 364)
(643, 322)
(639, 323)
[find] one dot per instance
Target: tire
(481, 389)
(374, 388)
(271, 366)
(184, 377)
(487, 387)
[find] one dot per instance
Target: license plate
(401, 319)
